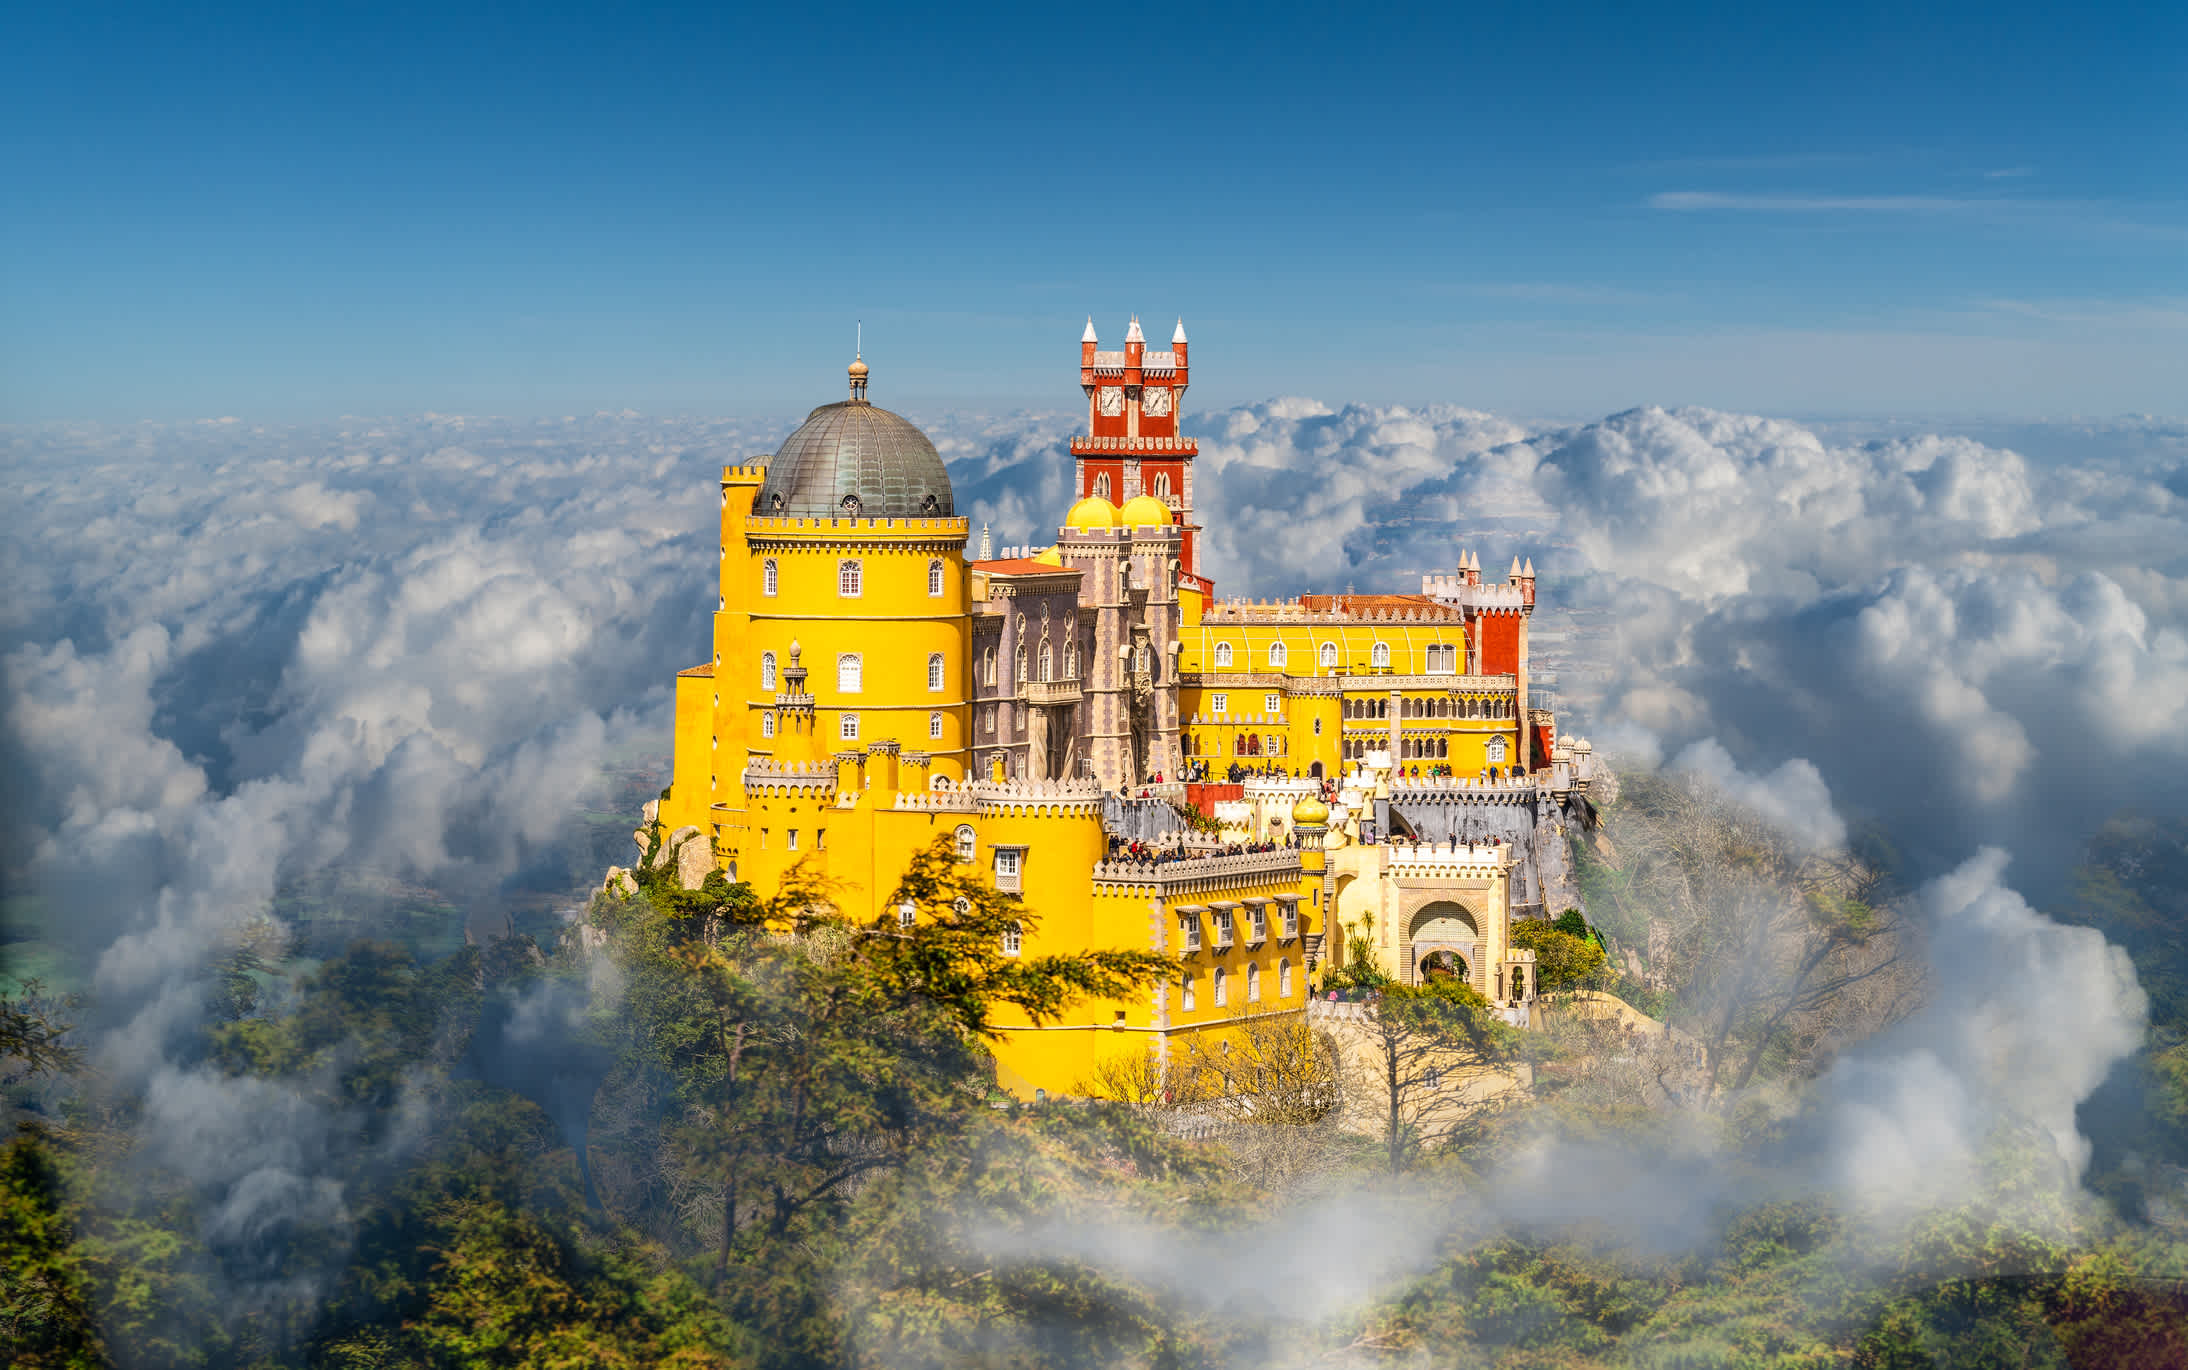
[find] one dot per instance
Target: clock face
(1109, 399)
(1155, 402)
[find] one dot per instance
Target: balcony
(1046, 692)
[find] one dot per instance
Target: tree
(1274, 1091)
(1427, 1051)
(1563, 961)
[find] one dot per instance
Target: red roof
(1023, 566)
(1362, 604)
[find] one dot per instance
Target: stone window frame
(934, 578)
(1223, 656)
(770, 578)
(767, 671)
(850, 578)
(767, 723)
(968, 843)
(934, 726)
(847, 726)
(1009, 865)
(851, 668)
(1329, 657)
(1278, 655)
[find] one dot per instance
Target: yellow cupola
(1144, 511)
(1310, 811)
(1092, 512)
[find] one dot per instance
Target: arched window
(1495, 751)
(934, 670)
(1101, 485)
(934, 578)
(850, 674)
(934, 727)
(987, 666)
(1277, 656)
(1071, 660)
(1222, 989)
(1048, 661)
(967, 842)
(1284, 978)
(1380, 657)
(1185, 994)
(767, 670)
(1329, 656)
(848, 579)
(767, 725)
(1162, 485)
(1018, 664)
(770, 577)
(1253, 982)
(1013, 939)
(1124, 580)
(1223, 656)
(848, 727)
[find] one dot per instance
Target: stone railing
(1474, 860)
(1053, 691)
(937, 801)
(1459, 788)
(1199, 871)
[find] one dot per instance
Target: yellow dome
(1144, 511)
(1049, 556)
(1310, 811)
(1092, 512)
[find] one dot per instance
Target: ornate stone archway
(1440, 924)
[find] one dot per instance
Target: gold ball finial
(858, 378)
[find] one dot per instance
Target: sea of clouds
(233, 656)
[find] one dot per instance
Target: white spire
(1529, 573)
(987, 548)
(1515, 568)
(1178, 336)
(1088, 336)
(1133, 334)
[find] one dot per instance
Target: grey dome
(853, 460)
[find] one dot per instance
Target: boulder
(648, 814)
(619, 881)
(694, 860)
(667, 851)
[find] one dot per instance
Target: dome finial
(858, 365)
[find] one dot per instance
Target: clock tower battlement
(1132, 445)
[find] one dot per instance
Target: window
(1018, 664)
(1291, 920)
(847, 727)
(966, 842)
(934, 579)
(1259, 922)
(987, 666)
(1009, 861)
(1253, 983)
(1380, 657)
(850, 673)
(1162, 485)
(767, 724)
(1443, 659)
(1318, 727)
(1223, 930)
(1223, 655)
(1189, 926)
(1221, 996)
(934, 727)
(1101, 485)
(1048, 662)
(770, 578)
(905, 913)
(1185, 994)
(1013, 939)
(848, 579)
(1277, 656)
(767, 670)
(990, 719)
(1272, 704)
(934, 670)
(1284, 978)
(1220, 703)
(793, 839)
(1495, 751)
(1329, 656)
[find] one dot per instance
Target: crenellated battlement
(1451, 860)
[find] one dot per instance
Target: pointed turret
(987, 548)
(1133, 334)
(1177, 335)
(1513, 577)
(1086, 352)
(1088, 336)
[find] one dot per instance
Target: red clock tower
(1132, 447)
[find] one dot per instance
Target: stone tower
(1132, 446)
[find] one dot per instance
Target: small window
(1380, 657)
(767, 724)
(1189, 924)
(1272, 704)
(850, 673)
(767, 671)
(848, 728)
(906, 913)
(1291, 920)
(1222, 994)
(1101, 485)
(934, 579)
(1162, 485)
(849, 579)
(1496, 751)
(966, 843)
(770, 577)
(1223, 655)
(1253, 983)
(1277, 656)
(1260, 923)
(793, 840)
(1220, 703)
(1329, 656)
(1317, 727)
(1013, 939)
(934, 726)
(990, 720)
(1047, 662)
(1284, 978)
(1008, 863)
(1185, 994)
(987, 666)
(934, 670)
(1223, 930)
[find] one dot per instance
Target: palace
(1384, 788)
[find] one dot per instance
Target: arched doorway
(1441, 930)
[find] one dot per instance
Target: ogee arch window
(934, 726)
(767, 725)
(934, 670)
(767, 670)
(1222, 988)
(934, 578)
(1253, 982)
(1284, 978)
(967, 842)
(850, 577)
(850, 673)
(770, 577)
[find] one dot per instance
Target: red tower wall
(1499, 643)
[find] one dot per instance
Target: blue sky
(302, 211)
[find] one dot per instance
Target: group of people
(1147, 854)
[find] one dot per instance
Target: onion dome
(1092, 512)
(1144, 511)
(1310, 812)
(856, 460)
